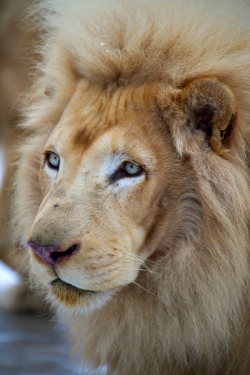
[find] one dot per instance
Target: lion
(132, 192)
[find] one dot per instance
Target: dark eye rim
(122, 173)
(51, 166)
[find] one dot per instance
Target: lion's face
(102, 179)
(112, 181)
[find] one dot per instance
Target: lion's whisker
(140, 270)
(140, 286)
(134, 282)
(143, 263)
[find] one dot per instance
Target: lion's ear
(202, 113)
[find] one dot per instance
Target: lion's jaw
(83, 204)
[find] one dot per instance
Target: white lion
(133, 185)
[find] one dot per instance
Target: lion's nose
(52, 254)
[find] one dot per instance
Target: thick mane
(202, 297)
(142, 41)
(119, 42)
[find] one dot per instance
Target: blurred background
(30, 340)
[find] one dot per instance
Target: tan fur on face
(164, 85)
(93, 141)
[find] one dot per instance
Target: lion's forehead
(93, 111)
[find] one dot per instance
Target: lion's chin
(69, 294)
(74, 298)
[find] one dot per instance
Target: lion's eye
(53, 160)
(127, 169)
(132, 169)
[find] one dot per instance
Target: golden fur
(164, 85)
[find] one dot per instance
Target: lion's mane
(195, 318)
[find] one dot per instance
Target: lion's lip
(60, 282)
